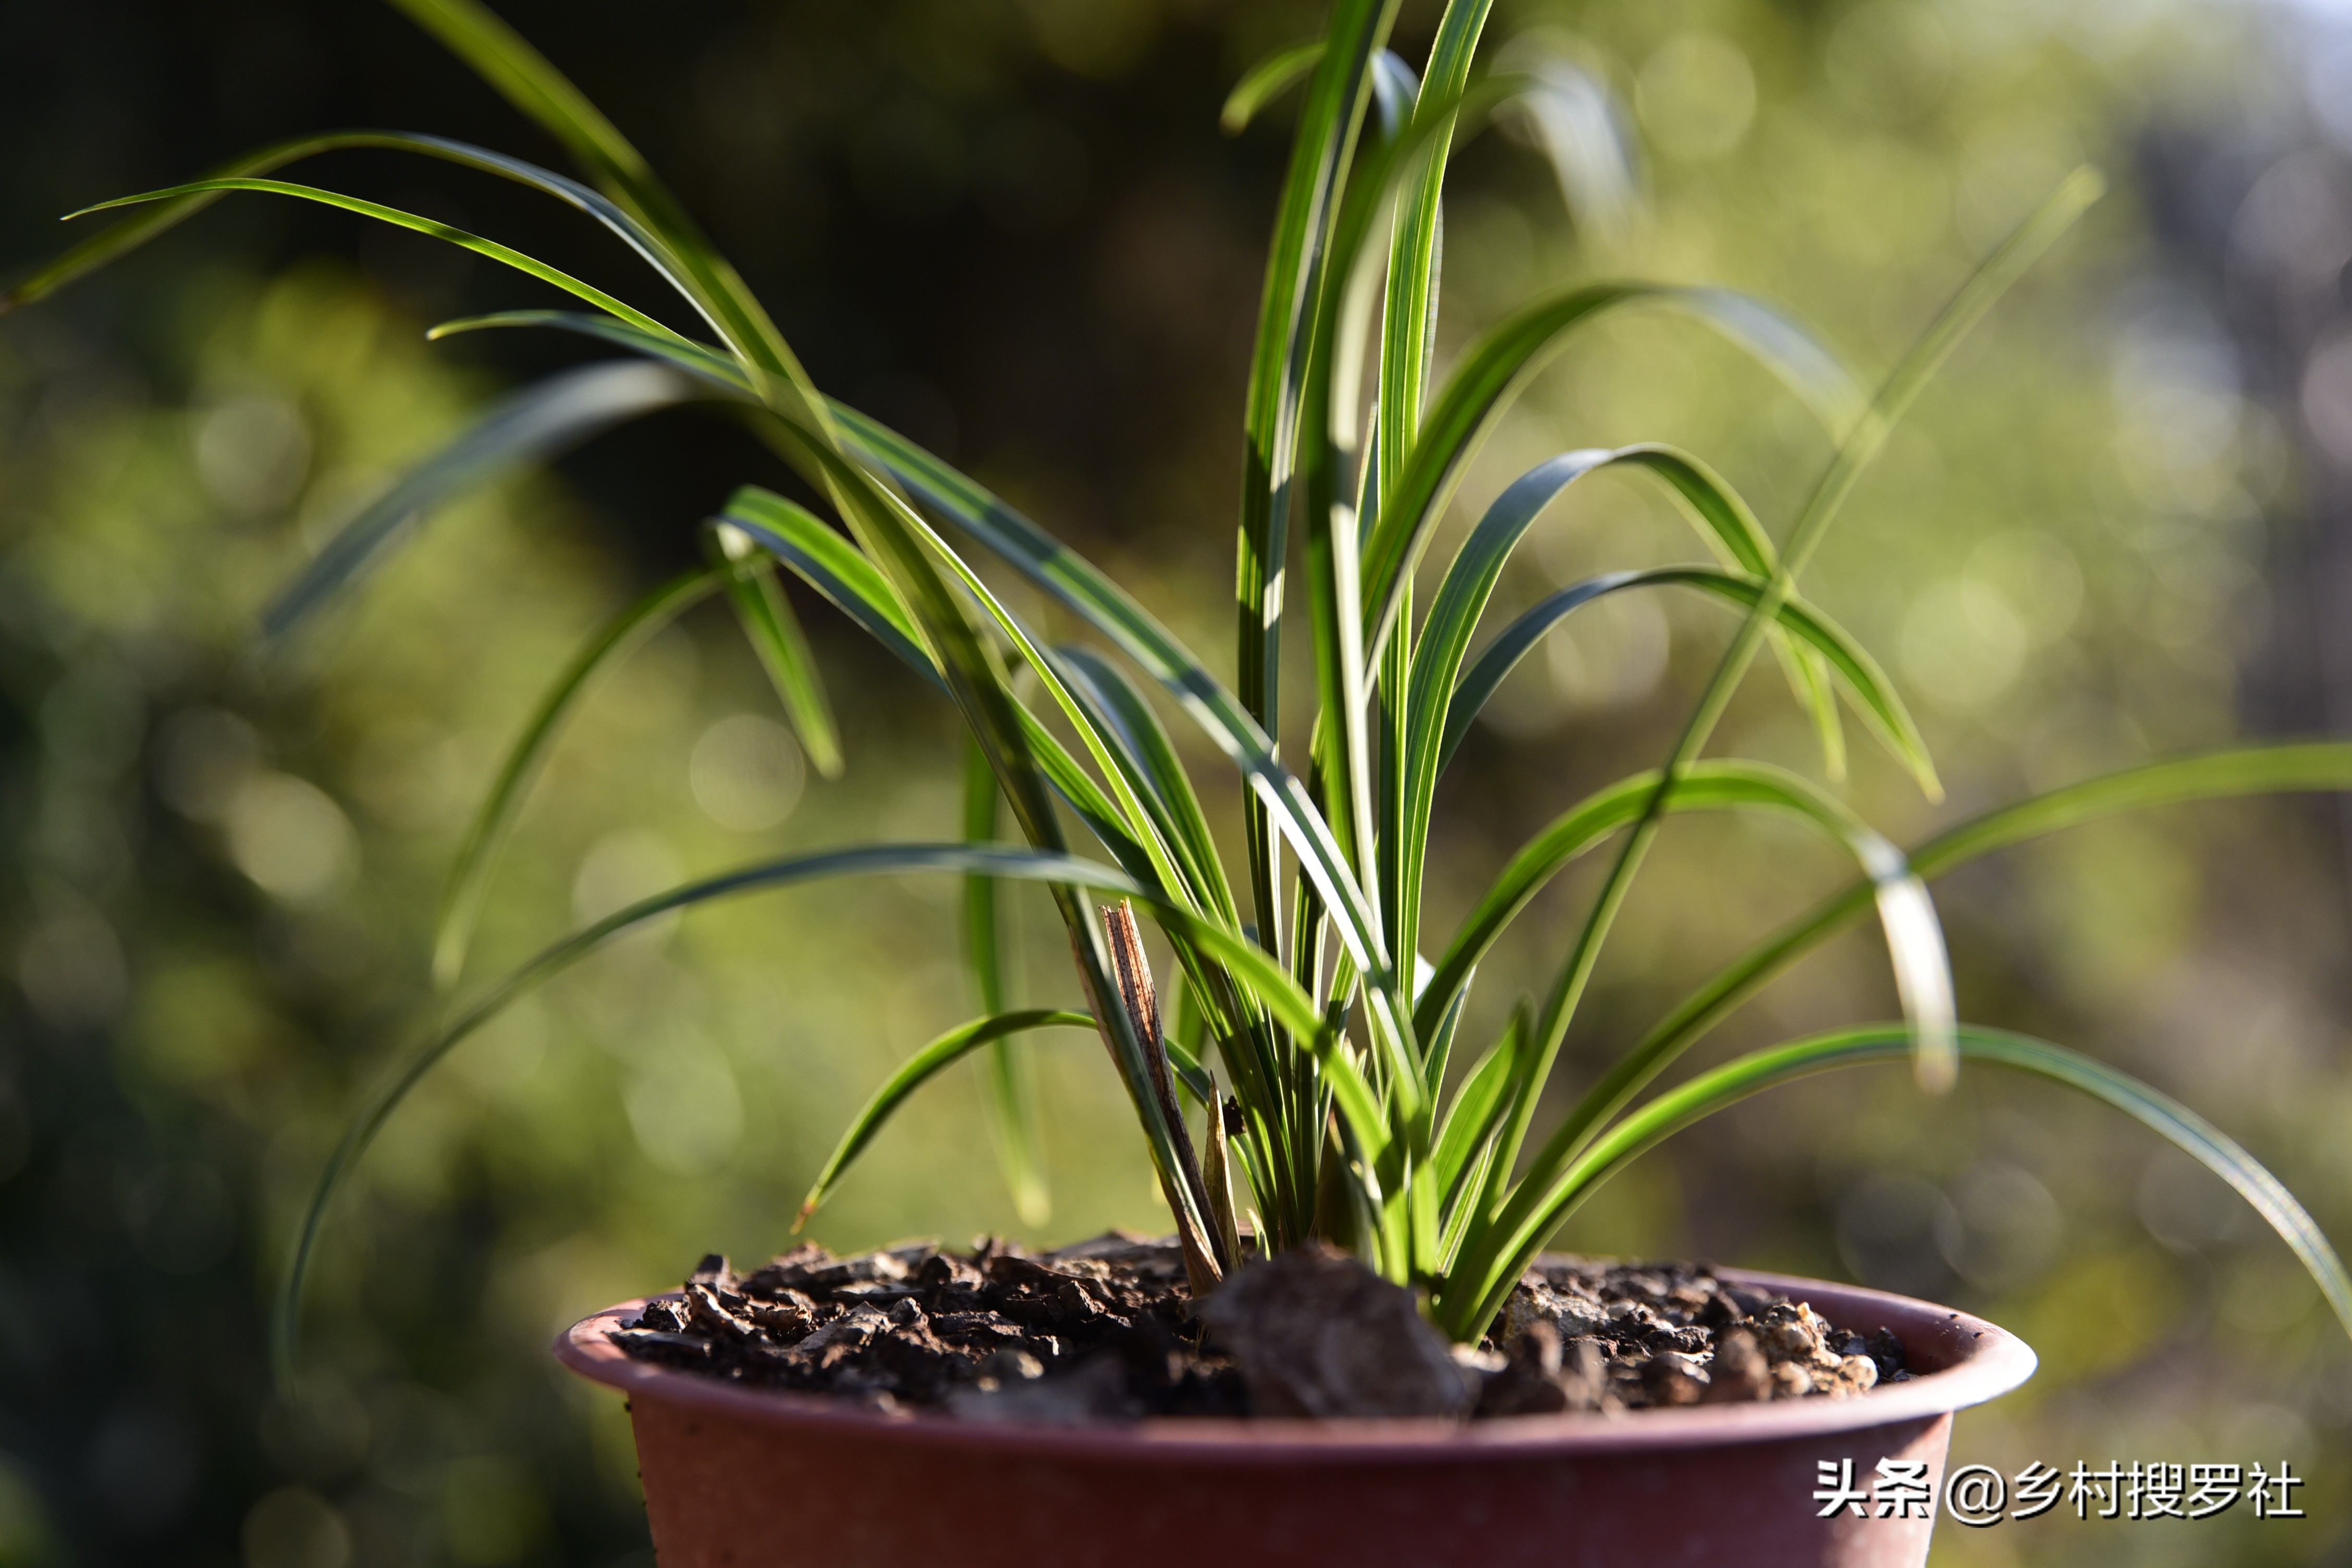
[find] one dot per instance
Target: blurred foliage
(1013, 228)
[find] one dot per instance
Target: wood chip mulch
(1104, 1331)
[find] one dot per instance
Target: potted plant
(1361, 1217)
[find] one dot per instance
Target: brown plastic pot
(742, 1476)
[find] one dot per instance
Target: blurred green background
(2120, 527)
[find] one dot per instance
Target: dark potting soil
(1106, 1330)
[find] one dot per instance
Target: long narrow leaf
(542, 420)
(1713, 785)
(983, 944)
(1265, 81)
(699, 360)
(1295, 276)
(917, 1070)
(873, 859)
(888, 529)
(1007, 1088)
(833, 567)
(805, 433)
(1749, 1074)
(128, 233)
(1123, 707)
(1723, 519)
(1470, 1118)
(1914, 938)
(1109, 609)
(775, 635)
(1409, 311)
(1130, 780)
(510, 64)
(1991, 278)
(1408, 340)
(530, 265)
(1874, 694)
(1483, 386)
(494, 822)
(838, 570)
(2294, 767)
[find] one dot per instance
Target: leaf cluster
(1301, 1018)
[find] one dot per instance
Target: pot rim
(1986, 1360)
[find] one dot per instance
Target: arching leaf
(544, 418)
(917, 1070)
(1473, 1298)
(494, 822)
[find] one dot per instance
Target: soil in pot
(1107, 1331)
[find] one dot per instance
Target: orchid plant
(1340, 1097)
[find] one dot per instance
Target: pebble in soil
(1106, 1330)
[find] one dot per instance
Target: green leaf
(527, 265)
(700, 360)
(1915, 943)
(1297, 263)
(835, 567)
(1580, 124)
(1110, 610)
(2213, 775)
(1409, 311)
(1713, 785)
(135, 230)
(493, 823)
(1873, 693)
(1122, 709)
(522, 75)
(1407, 346)
(542, 418)
(1722, 518)
(2217, 775)
(984, 949)
(1337, 489)
(1394, 89)
(1992, 276)
(1009, 1092)
(1492, 371)
(1804, 363)
(904, 546)
(917, 1070)
(1253, 967)
(128, 234)
(1470, 1118)
(1130, 785)
(776, 635)
(1438, 1042)
(1265, 81)
(869, 859)
(1465, 1313)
